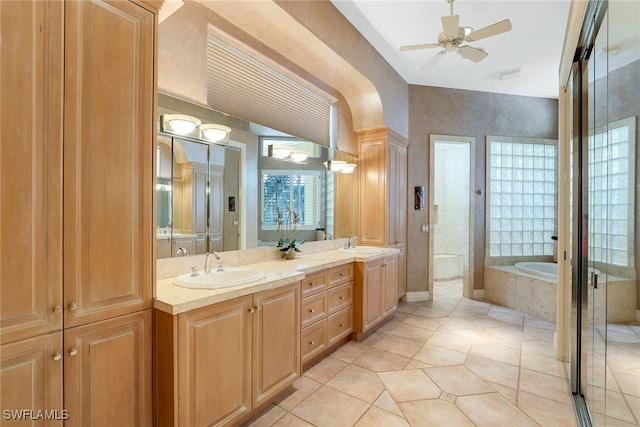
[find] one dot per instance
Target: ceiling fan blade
(491, 30)
(450, 25)
(433, 61)
(418, 46)
(472, 53)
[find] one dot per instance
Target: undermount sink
(219, 279)
(361, 250)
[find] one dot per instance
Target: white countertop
(175, 299)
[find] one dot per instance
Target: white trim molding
(418, 296)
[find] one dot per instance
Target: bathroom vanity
(222, 354)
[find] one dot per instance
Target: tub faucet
(207, 261)
(348, 244)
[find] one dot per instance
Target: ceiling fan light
(214, 132)
(180, 124)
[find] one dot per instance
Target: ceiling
(534, 45)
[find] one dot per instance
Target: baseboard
(478, 294)
(417, 296)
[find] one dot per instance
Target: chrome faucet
(207, 262)
(348, 244)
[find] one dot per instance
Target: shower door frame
(468, 263)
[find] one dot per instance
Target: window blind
(242, 86)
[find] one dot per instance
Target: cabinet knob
(73, 306)
(342, 297)
(311, 284)
(57, 309)
(311, 310)
(341, 274)
(312, 342)
(73, 351)
(342, 325)
(253, 309)
(56, 356)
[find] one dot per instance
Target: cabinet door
(107, 372)
(372, 294)
(108, 159)
(214, 363)
(31, 65)
(390, 291)
(399, 189)
(276, 342)
(31, 378)
(373, 191)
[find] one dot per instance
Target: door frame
(468, 264)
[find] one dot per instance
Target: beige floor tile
(376, 417)
(325, 369)
(491, 370)
(350, 351)
(601, 420)
(432, 312)
(510, 334)
(409, 385)
(540, 334)
(547, 412)
(412, 332)
(408, 307)
(456, 323)
(379, 360)
(268, 417)
(386, 402)
(390, 325)
(629, 383)
(541, 363)
(504, 353)
(634, 406)
(290, 420)
(458, 380)
(468, 312)
(492, 410)
(476, 336)
(539, 346)
(416, 364)
(544, 385)
(445, 339)
(358, 382)
(438, 356)
(329, 407)
(515, 319)
(422, 322)
(398, 345)
(303, 387)
(511, 394)
(434, 413)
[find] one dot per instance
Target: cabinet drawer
(341, 274)
(314, 308)
(314, 340)
(340, 325)
(340, 297)
(314, 283)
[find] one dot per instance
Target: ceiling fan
(453, 36)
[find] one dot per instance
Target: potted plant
(288, 228)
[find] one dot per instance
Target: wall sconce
(287, 154)
(340, 166)
(180, 124)
(214, 133)
(298, 156)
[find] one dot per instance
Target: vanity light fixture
(298, 156)
(335, 165)
(349, 168)
(180, 124)
(214, 133)
(279, 152)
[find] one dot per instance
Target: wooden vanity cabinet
(76, 173)
(375, 294)
(326, 311)
(216, 364)
(383, 194)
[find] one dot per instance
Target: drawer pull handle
(311, 310)
(73, 351)
(312, 342)
(56, 356)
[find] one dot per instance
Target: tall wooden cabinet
(383, 183)
(76, 218)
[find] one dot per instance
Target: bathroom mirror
(216, 197)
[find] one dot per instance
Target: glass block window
(297, 189)
(611, 193)
(521, 182)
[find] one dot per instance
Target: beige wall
(464, 113)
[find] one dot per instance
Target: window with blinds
(296, 189)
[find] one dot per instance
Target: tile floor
(449, 362)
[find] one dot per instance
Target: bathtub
(545, 270)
